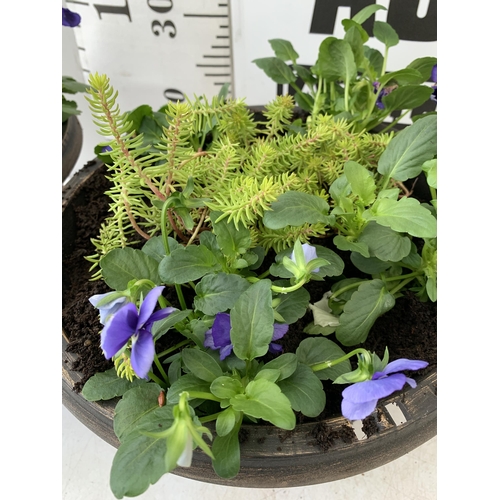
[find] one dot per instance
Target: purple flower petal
(309, 252)
(118, 330)
(370, 390)
(221, 329)
(143, 353)
(70, 19)
(226, 351)
(402, 364)
(161, 314)
(434, 73)
(209, 340)
(148, 305)
(279, 330)
(357, 411)
(411, 382)
(275, 348)
(110, 308)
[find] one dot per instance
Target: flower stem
(209, 418)
(327, 364)
(204, 395)
(390, 125)
(164, 236)
(161, 369)
(174, 348)
(160, 382)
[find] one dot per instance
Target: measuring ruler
(159, 50)
(156, 50)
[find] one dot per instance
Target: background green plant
(341, 82)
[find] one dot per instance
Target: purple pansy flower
(218, 337)
(434, 78)
(130, 324)
(70, 19)
(360, 399)
(385, 91)
(108, 309)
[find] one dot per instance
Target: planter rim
(272, 457)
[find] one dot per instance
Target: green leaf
(356, 36)
(201, 364)
(407, 97)
(295, 208)
(305, 391)
(252, 321)
(107, 385)
(284, 50)
(140, 459)
(430, 169)
(342, 243)
(366, 12)
(316, 350)
(304, 74)
(226, 450)
(370, 265)
(122, 265)
(219, 292)
(264, 399)
(225, 422)
(367, 303)
(361, 180)
(405, 76)
(154, 247)
(285, 363)
(186, 383)
(232, 241)
(336, 266)
(385, 33)
(137, 115)
(424, 66)
(336, 60)
(71, 86)
(275, 69)
(406, 215)
(135, 404)
(188, 264)
(375, 59)
(269, 374)
(384, 243)
(225, 387)
(293, 305)
(410, 148)
(163, 326)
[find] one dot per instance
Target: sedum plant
(349, 79)
(218, 223)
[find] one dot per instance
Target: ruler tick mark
(205, 15)
(220, 47)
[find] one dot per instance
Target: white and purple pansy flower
(128, 323)
(108, 307)
(360, 399)
(218, 337)
(309, 254)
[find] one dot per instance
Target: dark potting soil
(409, 330)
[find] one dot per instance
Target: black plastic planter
(272, 457)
